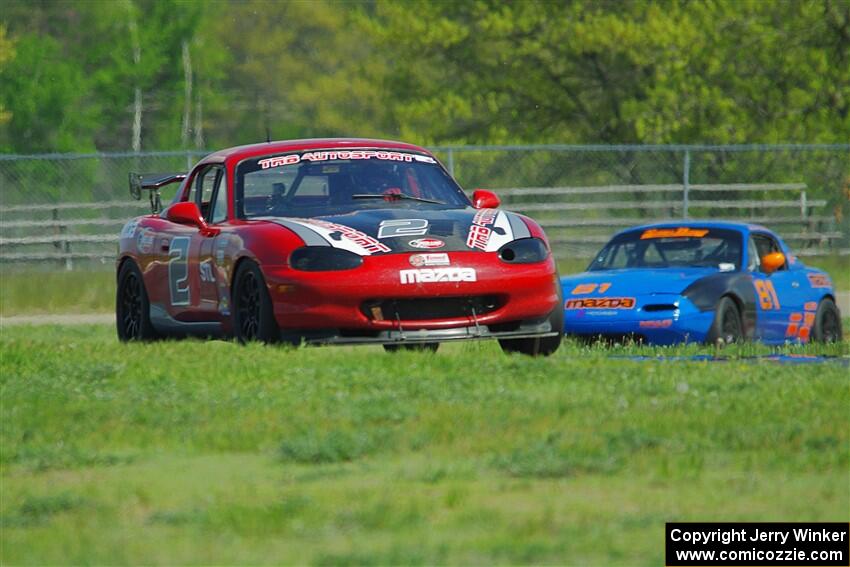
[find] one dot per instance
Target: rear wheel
(252, 306)
(827, 327)
(539, 346)
(418, 347)
(727, 327)
(132, 308)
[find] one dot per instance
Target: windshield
(671, 248)
(337, 182)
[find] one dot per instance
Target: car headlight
(523, 251)
(323, 259)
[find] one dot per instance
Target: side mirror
(482, 199)
(186, 212)
(772, 262)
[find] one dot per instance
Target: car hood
(380, 231)
(635, 282)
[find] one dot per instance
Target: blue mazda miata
(711, 282)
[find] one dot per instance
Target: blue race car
(711, 282)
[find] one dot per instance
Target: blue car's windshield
(674, 247)
(336, 182)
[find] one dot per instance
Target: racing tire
(827, 327)
(727, 327)
(132, 307)
(417, 347)
(538, 346)
(253, 313)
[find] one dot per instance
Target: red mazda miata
(334, 241)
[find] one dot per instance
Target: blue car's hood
(638, 281)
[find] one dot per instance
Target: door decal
(178, 270)
(767, 294)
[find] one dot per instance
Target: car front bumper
(685, 323)
(371, 302)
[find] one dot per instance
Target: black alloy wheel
(827, 327)
(727, 327)
(253, 311)
(132, 309)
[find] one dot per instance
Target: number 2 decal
(402, 227)
(178, 270)
(767, 295)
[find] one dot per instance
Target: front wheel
(132, 308)
(727, 327)
(539, 346)
(253, 312)
(827, 327)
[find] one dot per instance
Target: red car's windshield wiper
(395, 197)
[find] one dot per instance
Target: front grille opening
(659, 307)
(420, 309)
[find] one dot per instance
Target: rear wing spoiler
(152, 182)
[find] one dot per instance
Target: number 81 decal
(178, 270)
(767, 295)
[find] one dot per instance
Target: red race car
(349, 241)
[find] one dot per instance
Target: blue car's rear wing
(152, 182)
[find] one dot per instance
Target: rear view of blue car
(709, 282)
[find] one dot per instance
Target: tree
(613, 72)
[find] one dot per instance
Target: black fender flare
(706, 292)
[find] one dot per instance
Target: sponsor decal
(681, 232)
(130, 229)
(224, 305)
(291, 159)
(361, 239)
(433, 259)
(485, 217)
(220, 246)
(601, 303)
(427, 243)
(402, 227)
(206, 271)
(658, 324)
(479, 232)
(490, 229)
(478, 237)
(582, 289)
(145, 240)
(819, 280)
(811, 306)
(437, 275)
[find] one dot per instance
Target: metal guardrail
(73, 238)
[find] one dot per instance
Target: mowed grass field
(211, 452)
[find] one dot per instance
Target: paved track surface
(109, 318)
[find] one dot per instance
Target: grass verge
(208, 452)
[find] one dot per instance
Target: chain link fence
(61, 207)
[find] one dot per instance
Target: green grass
(33, 293)
(209, 452)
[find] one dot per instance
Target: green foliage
(212, 452)
(649, 71)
